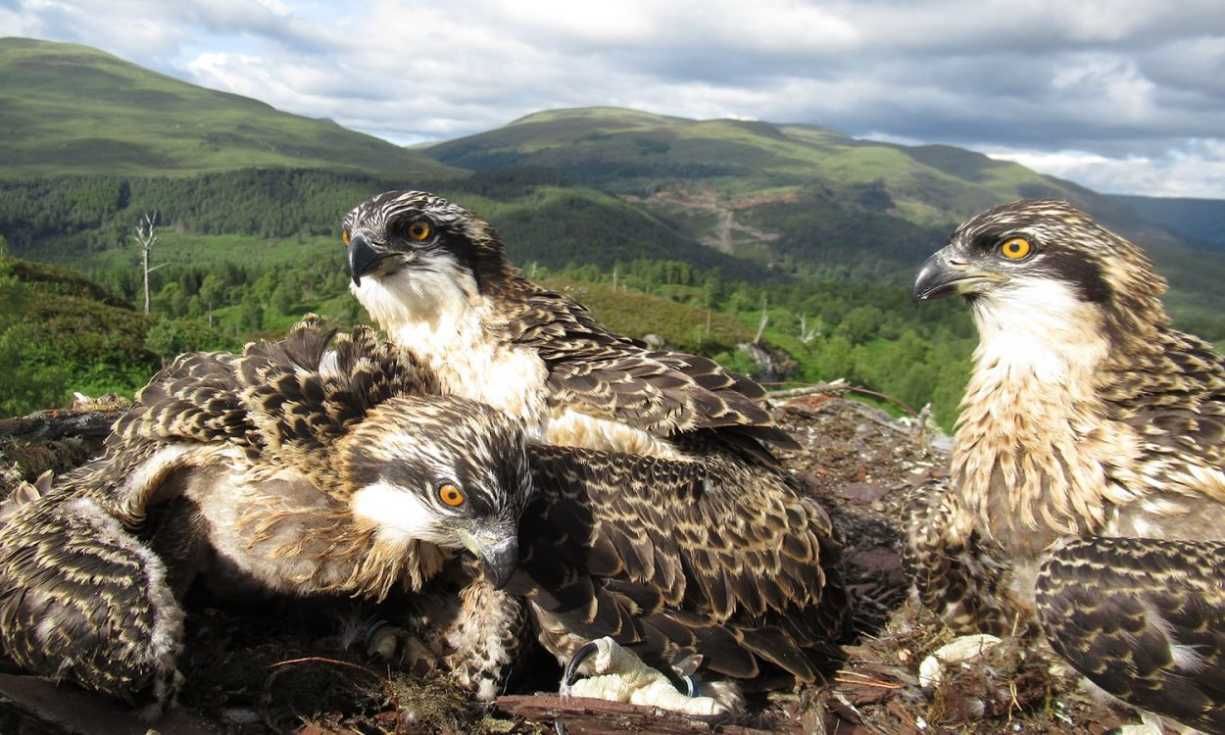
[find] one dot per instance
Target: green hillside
(721, 166)
(924, 184)
(260, 217)
(60, 333)
(70, 109)
(807, 200)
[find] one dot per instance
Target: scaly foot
(618, 675)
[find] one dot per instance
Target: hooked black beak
(942, 276)
(500, 560)
(363, 257)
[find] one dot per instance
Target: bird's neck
(1033, 446)
(299, 538)
(439, 299)
(458, 331)
(370, 564)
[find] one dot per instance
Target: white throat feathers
(1032, 445)
(436, 310)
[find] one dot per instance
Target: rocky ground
(285, 666)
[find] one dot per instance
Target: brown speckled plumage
(1086, 416)
(568, 362)
(664, 522)
(84, 599)
(679, 557)
(249, 469)
(1144, 619)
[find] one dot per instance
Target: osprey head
(1045, 256)
(415, 250)
(443, 470)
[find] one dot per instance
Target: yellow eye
(451, 495)
(1015, 248)
(344, 237)
(420, 230)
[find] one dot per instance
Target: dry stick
(851, 677)
(900, 404)
(835, 387)
(50, 425)
(323, 660)
(587, 716)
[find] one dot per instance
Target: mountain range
(749, 197)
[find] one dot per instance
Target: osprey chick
(1086, 416)
(436, 278)
(305, 466)
(687, 540)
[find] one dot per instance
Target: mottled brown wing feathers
(297, 394)
(715, 558)
(1175, 399)
(609, 376)
(80, 598)
(283, 402)
(1143, 619)
(306, 391)
(192, 399)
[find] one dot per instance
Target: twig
(323, 660)
(875, 394)
(836, 386)
(51, 425)
(589, 716)
(865, 680)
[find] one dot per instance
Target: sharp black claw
(567, 678)
(577, 660)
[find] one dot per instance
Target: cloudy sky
(1121, 95)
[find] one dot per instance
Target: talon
(567, 678)
(582, 654)
(395, 645)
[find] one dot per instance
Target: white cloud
(1195, 171)
(1140, 84)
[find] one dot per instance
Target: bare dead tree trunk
(146, 235)
(807, 335)
(765, 319)
(145, 268)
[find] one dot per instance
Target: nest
(280, 666)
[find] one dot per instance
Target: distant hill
(629, 149)
(1198, 220)
(70, 109)
(806, 197)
